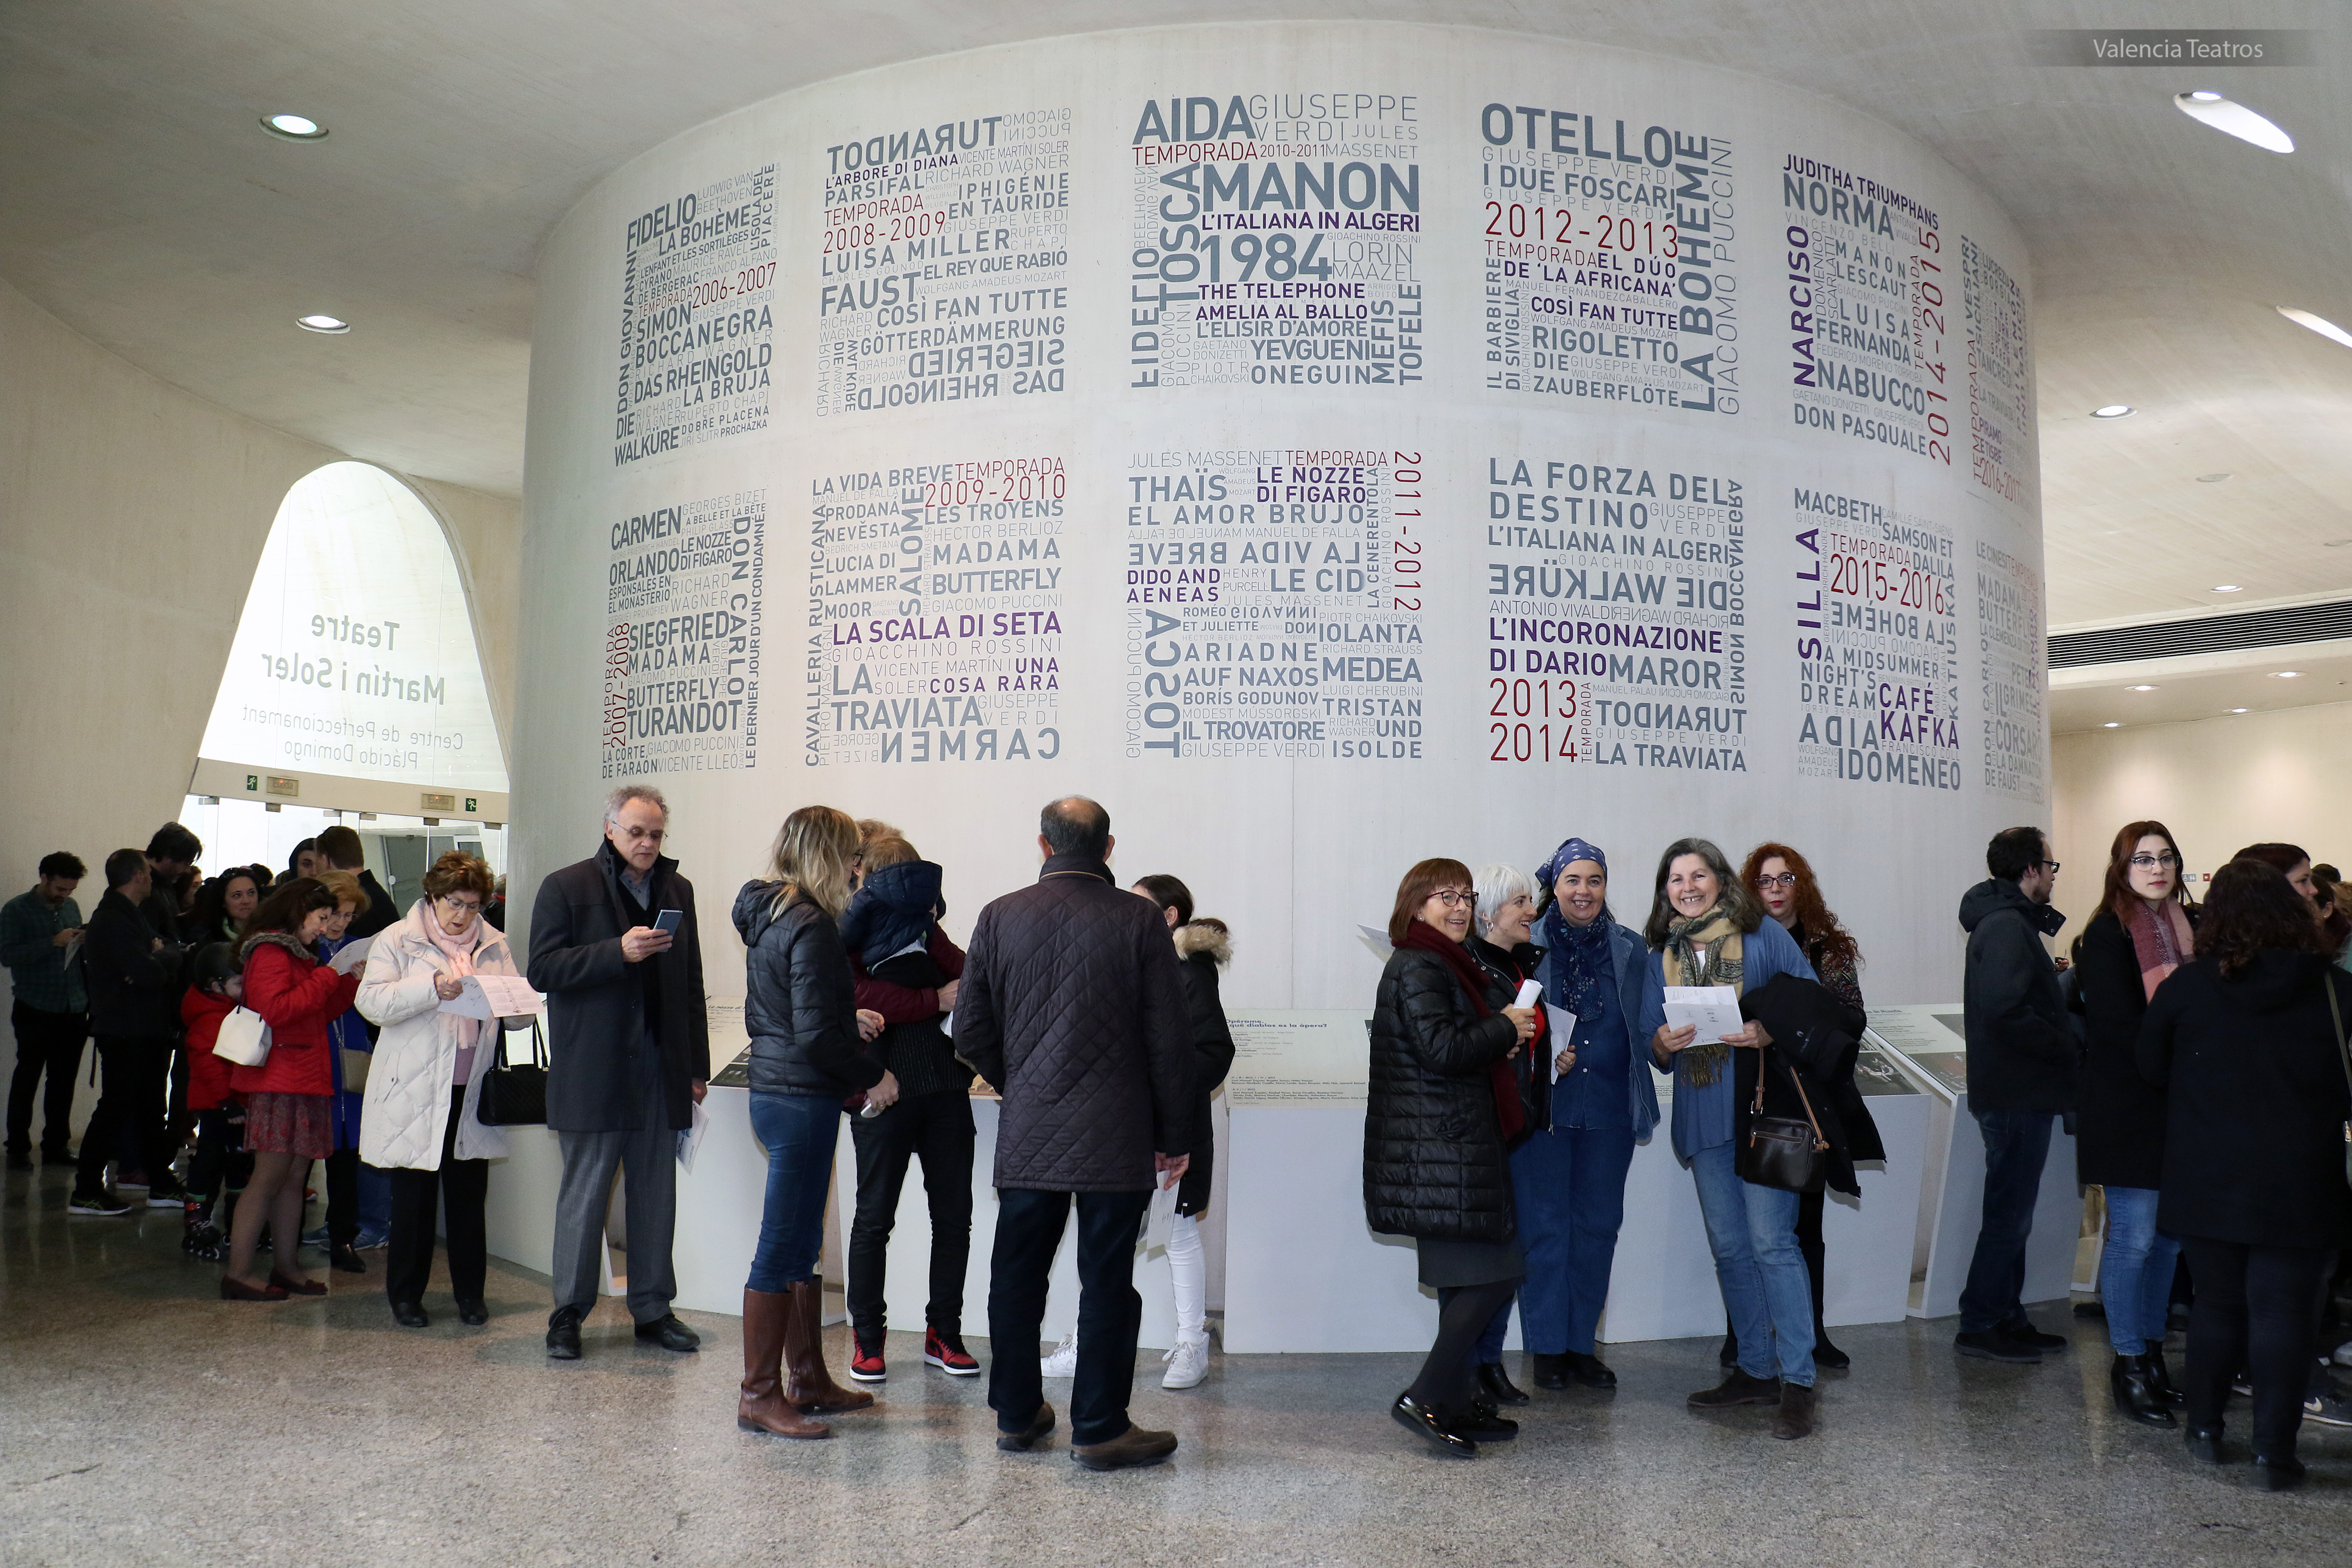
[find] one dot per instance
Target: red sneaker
(946, 1351)
(865, 1360)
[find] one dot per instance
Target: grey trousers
(650, 1206)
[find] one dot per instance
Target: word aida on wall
(697, 318)
(685, 590)
(935, 613)
(943, 271)
(1273, 605)
(1616, 615)
(1609, 270)
(1265, 248)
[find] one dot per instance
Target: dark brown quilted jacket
(1072, 1006)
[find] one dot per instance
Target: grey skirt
(1445, 1261)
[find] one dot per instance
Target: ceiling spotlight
(293, 127)
(323, 324)
(2210, 479)
(2286, 674)
(2213, 110)
(2111, 724)
(2320, 324)
(2139, 689)
(2112, 411)
(2225, 587)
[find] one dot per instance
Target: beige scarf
(1715, 931)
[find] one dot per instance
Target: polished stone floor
(143, 1421)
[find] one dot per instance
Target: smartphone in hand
(669, 920)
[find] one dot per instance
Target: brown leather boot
(809, 1385)
(1796, 1417)
(762, 1406)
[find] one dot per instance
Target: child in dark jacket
(214, 989)
(896, 908)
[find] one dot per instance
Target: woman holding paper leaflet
(1441, 1104)
(1570, 1174)
(424, 1085)
(1707, 932)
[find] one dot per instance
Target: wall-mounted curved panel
(1329, 445)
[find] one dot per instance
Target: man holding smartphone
(614, 945)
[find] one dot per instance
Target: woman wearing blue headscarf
(1569, 1176)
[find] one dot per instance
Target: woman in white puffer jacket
(419, 1120)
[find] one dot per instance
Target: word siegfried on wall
(2000, 396)
(1273, 241)
(1867, 284)
(944, 269)
(1877, 644)
(697, 318)
(1273, 602)
(1616, 615)
(2011, 646)
(1610, 272)
(935, 613)
(684, 589)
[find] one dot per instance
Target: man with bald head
(1072, 1006)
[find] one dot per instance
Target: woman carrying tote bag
(424, 1088)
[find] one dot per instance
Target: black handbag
(1779, 1153)
(515, 1095)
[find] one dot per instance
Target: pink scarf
(459, 951)
(2160, 942)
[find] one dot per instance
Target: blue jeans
(800, 1133)
(1569, 1186)
(2016, 1146)
(1767, 1295)
(2136, 1271)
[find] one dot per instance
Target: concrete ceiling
(141, 203)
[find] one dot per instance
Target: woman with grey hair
(1501, 919)
(1707, 929)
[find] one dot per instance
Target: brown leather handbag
(1779, 1153)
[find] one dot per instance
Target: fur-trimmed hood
(1209, 936)
(283, 939)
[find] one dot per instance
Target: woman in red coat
(287, 1121)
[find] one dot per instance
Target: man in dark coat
(2023, 1060)
(629, 1059)
(132, 974)
(1072, 1005)
(341, 849)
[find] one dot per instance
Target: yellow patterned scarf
(1715, 931)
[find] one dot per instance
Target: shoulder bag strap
(1820, 1144)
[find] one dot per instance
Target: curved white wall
(1328, 446)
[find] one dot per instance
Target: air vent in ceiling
(2209, 633)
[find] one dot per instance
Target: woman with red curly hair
(1784, 883)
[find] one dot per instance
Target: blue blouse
(1703, 1117)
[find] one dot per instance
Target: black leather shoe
(1424, 1421)
(1589, 1369)
(563, 1334)
(345, 1260)
(2204, 1442)
(1496, 1384)
(472, 1312)
(2278, 1475)
(1829, 1356)
(2159, 1379)
(410, 1315)
(1551, 1371)
(1485, 1424)
(19, 1161)
(1729, 1354)
(672, 1334)
(1991, 1345)
(2023, 1332)
(2134, 1399)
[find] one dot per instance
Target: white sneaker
(1063, 1362)
(2343, 1356)
(1188, 1363)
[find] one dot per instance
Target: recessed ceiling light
(2112, 411)
(2225, 588)
(2241, 710)
(2111, 724)
(2213, 110)
(2210, 479)
(323, 324)
(2320, 324)
(2286, 674)
(2140, 689)
(293, 127)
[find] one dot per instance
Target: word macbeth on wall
(1329, 445)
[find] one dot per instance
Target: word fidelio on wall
(697, 320)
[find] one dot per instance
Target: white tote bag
(244, 1038)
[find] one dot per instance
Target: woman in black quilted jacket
(800, 1008)
(1441, 1105)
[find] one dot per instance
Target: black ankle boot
(1495, 1384)
(2134, 1399)
(1826, 1354)
(2159, 1379)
